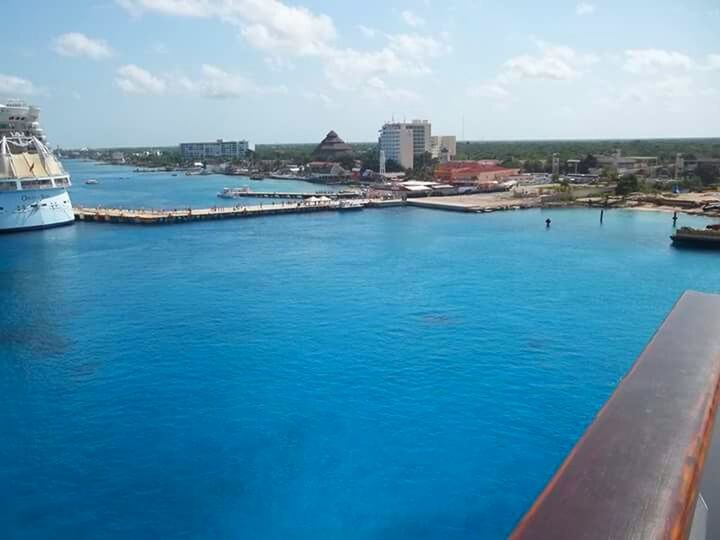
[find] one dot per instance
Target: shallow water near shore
(394, 373)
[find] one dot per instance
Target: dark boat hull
(696, 241)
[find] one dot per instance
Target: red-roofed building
(472, 172)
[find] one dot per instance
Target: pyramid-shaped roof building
(332, 148)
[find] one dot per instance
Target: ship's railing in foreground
(637, 470)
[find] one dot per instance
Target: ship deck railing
(648, 466)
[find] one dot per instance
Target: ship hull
(35, 209)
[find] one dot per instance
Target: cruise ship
(33, 183)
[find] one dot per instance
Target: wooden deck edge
(604, 488)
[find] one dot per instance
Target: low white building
(438, 142)
(219, 149)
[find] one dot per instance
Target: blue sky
(157, 72)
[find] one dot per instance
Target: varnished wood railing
(636, 471)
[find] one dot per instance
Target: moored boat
(233, 193)
(702, 238)
(351, 205)
(33, 183)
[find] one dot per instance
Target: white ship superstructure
(17, 117)
(33, 183)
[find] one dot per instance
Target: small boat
(700, 238)
(233, 193)
(257, 176)
(91, 182)
(351, 205)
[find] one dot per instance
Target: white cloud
(713, 61)
(216, 83)
(326, 100)
(674, 87)
(584, 8)
(12, 85)
(182, 8)
(77, 44)
(278, 64)
(411, 19)
(654, 60)
(348, 68)
(375, 88)
(132, 79)
(416, 47)
(213, 83)
(405, 54)
(529, 67)
(367, 31)
(555, 62)
(270, 25)
(490, 91)
(671, 90)
(282, 30)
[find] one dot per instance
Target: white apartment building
(397, 141)
(219, 149)
(437, 143)
(422, 132)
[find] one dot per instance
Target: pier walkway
(156, 217)
(231, 193)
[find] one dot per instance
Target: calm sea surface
(396, 373)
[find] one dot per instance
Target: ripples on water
(392, 373)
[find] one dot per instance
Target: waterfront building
(326, 170)
(440, 142)
(472, 172)
(332, 148)
(417, 188)
(219, 149)
(690, 164)
(396, 143)
(420, 140)
(629, 164)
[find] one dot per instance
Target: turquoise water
(396, 373)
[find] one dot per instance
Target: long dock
(237, 194)
(157, 217)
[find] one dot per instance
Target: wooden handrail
(636, 471)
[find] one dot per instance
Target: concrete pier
(238, 194)
(474, 203)
(157, 217)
